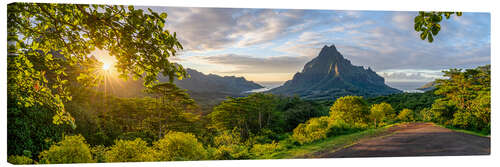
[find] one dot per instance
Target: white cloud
(249, 64)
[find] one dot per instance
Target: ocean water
(404, 86)
(268, 85)
(407, 86)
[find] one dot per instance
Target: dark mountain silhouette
(199, 82)
(330, 76)
(207, 90)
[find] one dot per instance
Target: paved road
(417, 139)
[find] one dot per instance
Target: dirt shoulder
(416, 139)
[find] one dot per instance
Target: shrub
(99, 153)
(175, 146)
(72, 149)
(443, 111)
(19, 160)
(265, 150)
(227, 138)
(130, 151)
(312, 130)
(406, 115)
(233, 151)
(464, 120)
(229, 146)
(426, 114)
(264, 136)
(340, 127)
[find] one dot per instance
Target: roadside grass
(333, 143)
(464, 131)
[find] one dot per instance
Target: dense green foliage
(406, 115)
(467, 99)
(258, 112)
(351, 109)
(413, 101)
(130, 151)
(178, 146)
(48, 50)
(381, 112)
(103, 119)
(72, 149)
(312, 130)
(347, 115)
(19, 160)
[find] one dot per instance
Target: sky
(265, 45)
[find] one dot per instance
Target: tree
(351, 109)
(171, 108)
(427, 23)
(379, 112)
(467, 98)
(406, 115)
(249, 114)
(44, 38)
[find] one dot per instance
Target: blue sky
(272, 45)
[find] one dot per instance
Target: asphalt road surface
(417, 139)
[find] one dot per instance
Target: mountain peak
(330, 51)
(330, 47)
(330, 75)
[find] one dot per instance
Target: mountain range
(327, 76)
(330, 75)
(206, 89)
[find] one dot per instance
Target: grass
(330, 144)
(464, 131)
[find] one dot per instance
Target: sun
(106, 66)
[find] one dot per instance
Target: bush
(99, 153)
(179, 146)
(443, 111)
(229, 146)
(340, 127)
(227, 138)
(265, 150)
(72, 149)
(312, 130)
(426, 114)
(464, 120)
(264, 136)
(233, 151)
(406, 115)
(19, 160)
(130, 151)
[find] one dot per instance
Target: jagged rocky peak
(330, 75)
(328, 50)
(329, 61)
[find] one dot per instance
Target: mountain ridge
(330, 75)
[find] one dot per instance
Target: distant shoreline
(405, 86)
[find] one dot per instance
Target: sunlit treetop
(46, 39)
